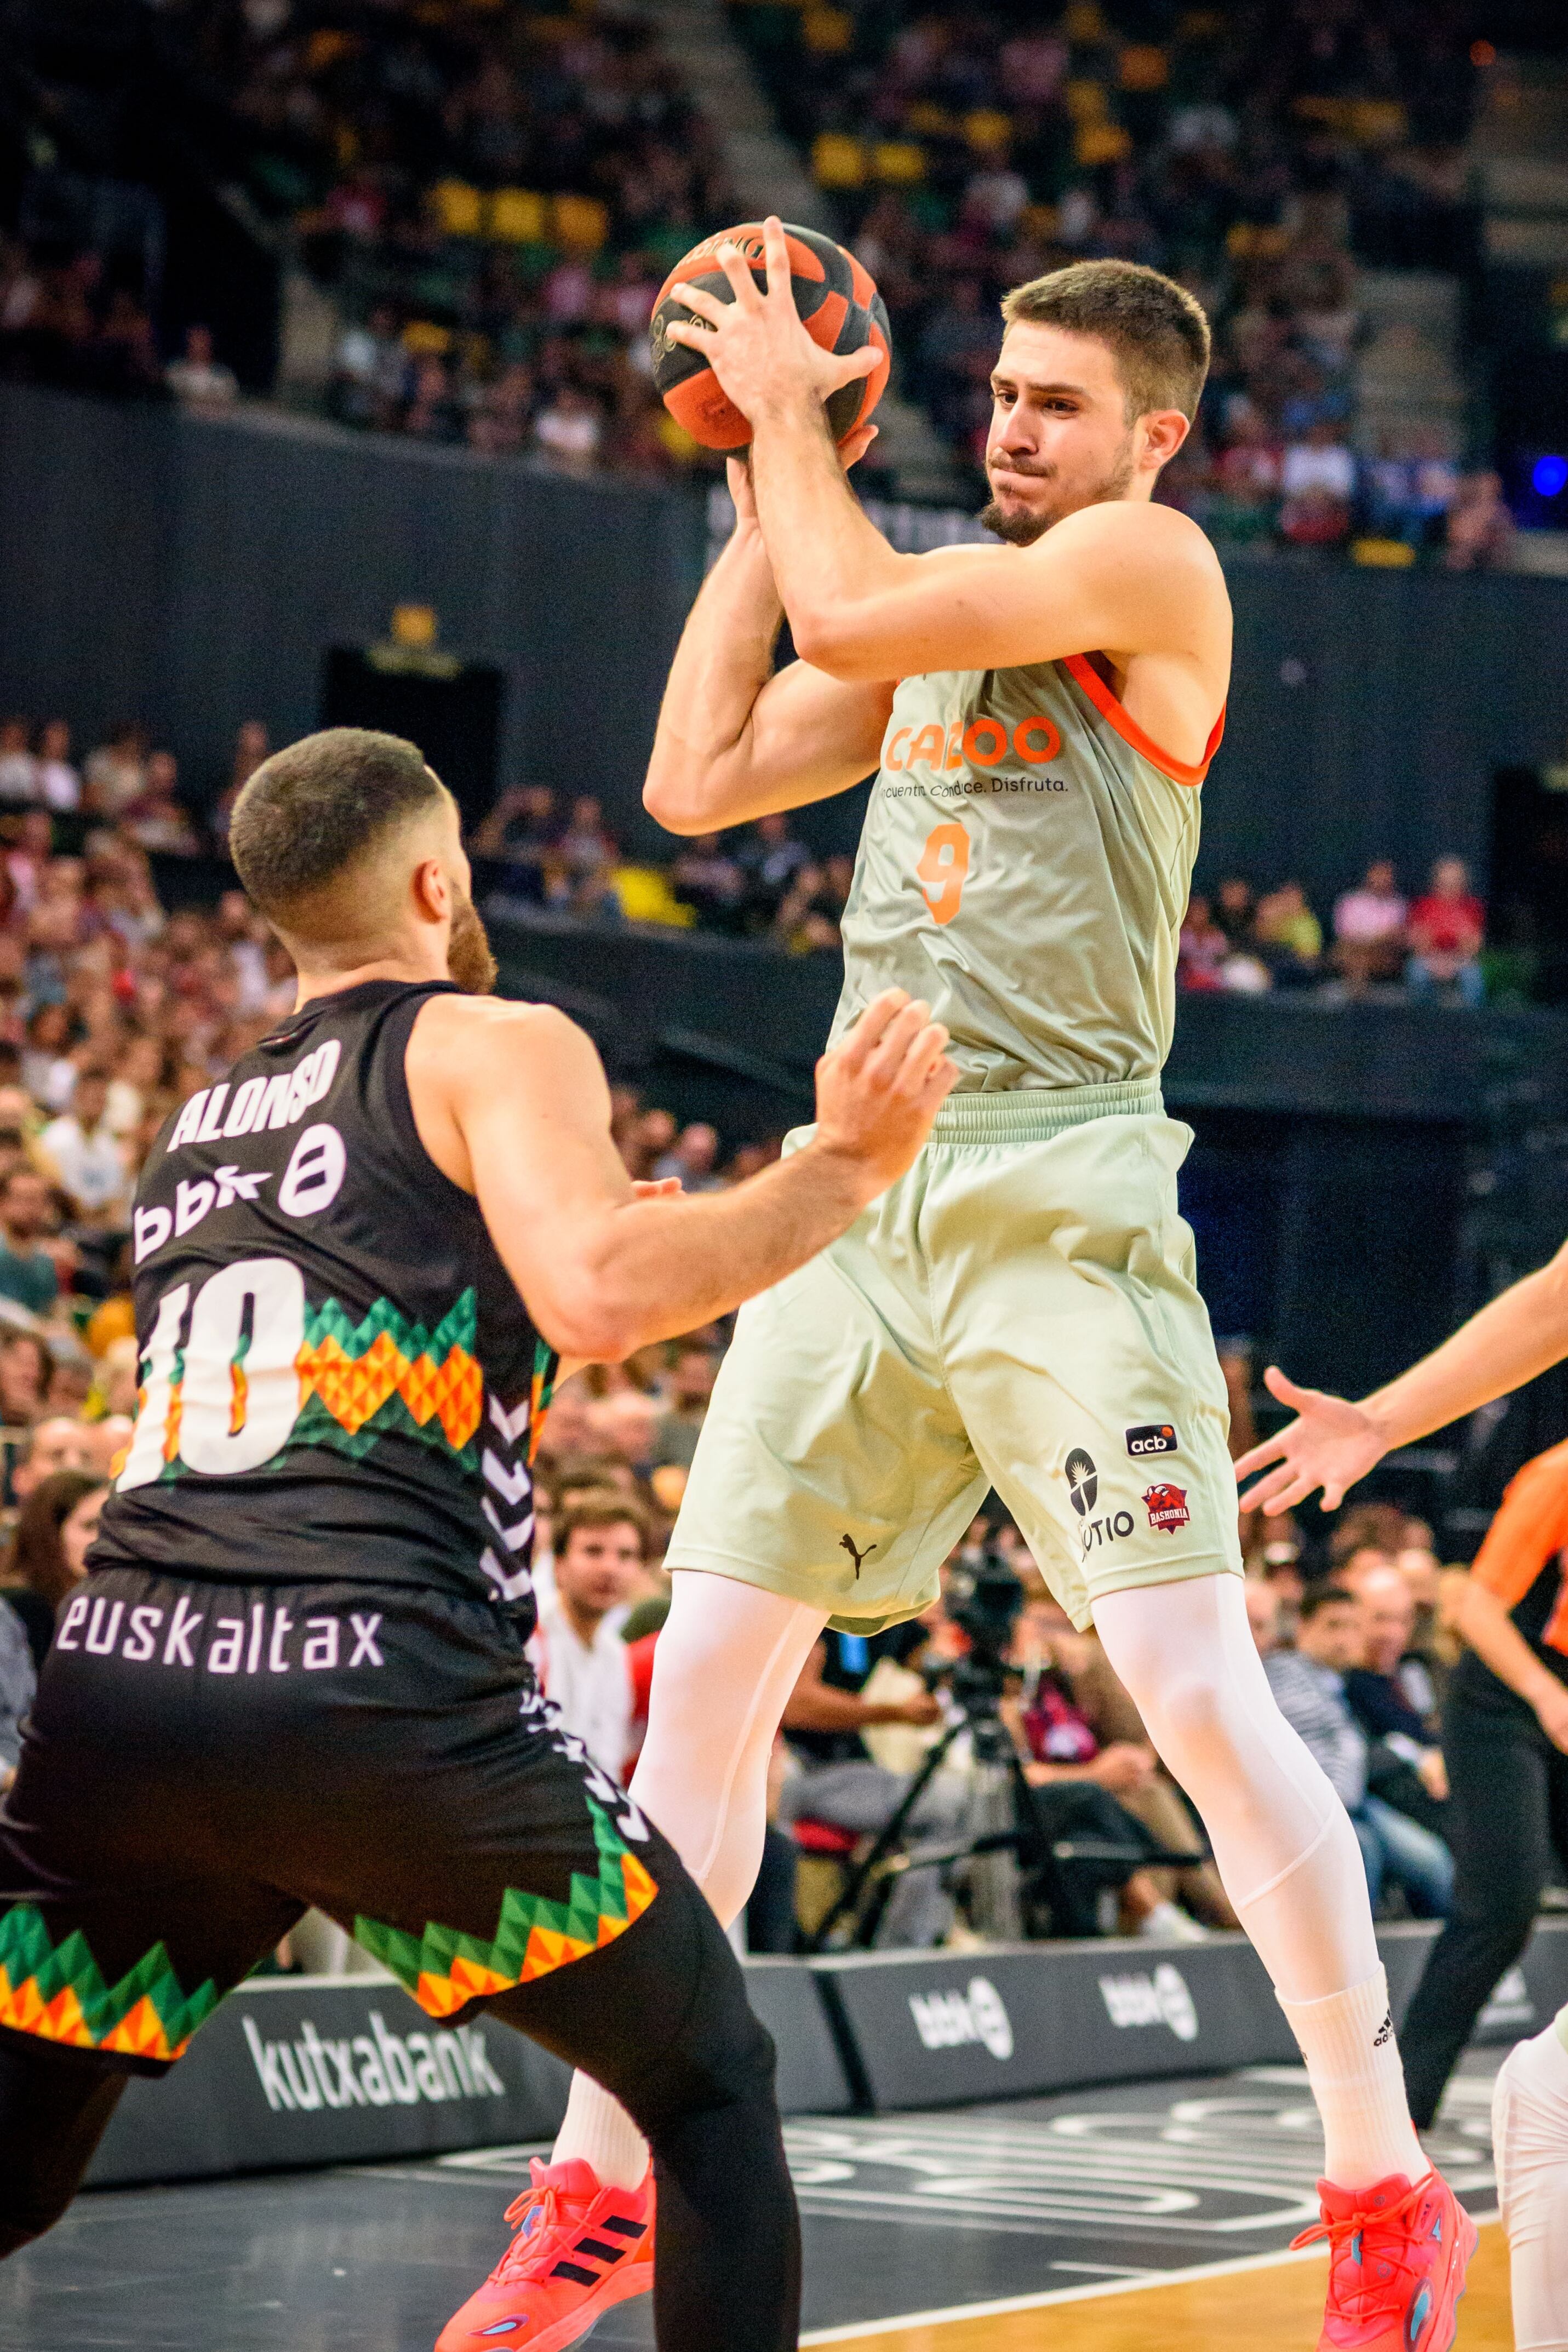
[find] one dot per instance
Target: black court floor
(908, 2215)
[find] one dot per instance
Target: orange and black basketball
(837, 299)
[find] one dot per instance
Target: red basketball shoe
(578, 2248)
(1397, 2258)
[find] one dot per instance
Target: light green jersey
(1024, 867)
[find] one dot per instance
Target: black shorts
(206, 1760)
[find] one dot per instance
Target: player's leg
(1530, 2140)
(1079, 1350)
(55, 2106)
(1501, 1768)
(829, 1421)
(727, 1660)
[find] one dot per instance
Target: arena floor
(1140, 2216)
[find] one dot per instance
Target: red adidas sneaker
(578, 2248)
(1397, 2258)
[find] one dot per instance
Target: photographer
(838, 1783)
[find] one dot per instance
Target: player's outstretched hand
(880, 1089)
(1330, 1444)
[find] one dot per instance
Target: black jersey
(338, 1377)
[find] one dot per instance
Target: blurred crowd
(757, 881)
(1430, 946)
(1256, 153)
(489, 198)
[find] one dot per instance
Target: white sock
(1353, 2064)
(598, 2128)
(1530, 2135)
(727, 1660)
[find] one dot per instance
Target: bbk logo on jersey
(1083, 1487)
(1166, 1507)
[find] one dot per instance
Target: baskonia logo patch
(1166, 1507)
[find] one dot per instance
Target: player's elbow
(833, 640)
(677, 802)
(585, 1317)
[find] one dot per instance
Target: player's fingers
(887, 1058)
(923, 1053)
(690, 332)
(854, 363)
(738, 270)
(853, 446)
(1265, 1496)
(1278, 1385)
(1272, 1449)
(775, 254)
(697, 297)
(868, 1030)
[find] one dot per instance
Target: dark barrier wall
(193, 570)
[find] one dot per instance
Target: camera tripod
(1015, 1862)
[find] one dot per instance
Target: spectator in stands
(686, 1400)
(808, 914)
(1391, 1696)
(692, 1160)
(26, 1366)
(115, 773)
(155, 820)
(18, 776)
(1288, 935)
(250, 747)
(62, 1442)
(1204, 947)
(706, 878)
(55, 782)
(521, 833)
(1447, 929)
(47, 1554)
(769, 858)
(600, 1548)
(26, 1270)
(1370, 928)
(570, 428)
(1318, 479)
(19, 1681)
(86, 1157)
(1480, 530)
(200, 380)
(1308, 1684)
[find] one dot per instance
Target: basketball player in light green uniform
(1020, 1309)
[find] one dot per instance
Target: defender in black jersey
(295, 1673)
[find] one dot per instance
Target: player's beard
(1022, 526)
(470, 962)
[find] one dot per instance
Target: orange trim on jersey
(1106, 703)
(1532, 1523)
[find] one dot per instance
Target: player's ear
(1164, 430)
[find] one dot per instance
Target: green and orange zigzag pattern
(444, 1969)
(61, 1995)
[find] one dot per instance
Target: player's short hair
(318, 808)
(1157, 333)
(608, 1508)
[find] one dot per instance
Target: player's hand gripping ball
(836, 299)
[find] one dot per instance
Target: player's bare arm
(735, 740)
(1114, 576)
(1332, 1443)
(512, 1104)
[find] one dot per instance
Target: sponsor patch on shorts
(1152, 1437)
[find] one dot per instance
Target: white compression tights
(1529, 2137)
(726, 1662)
(1284, 1848)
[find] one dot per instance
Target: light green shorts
(1019, 1311)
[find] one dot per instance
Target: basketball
(840, 307)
